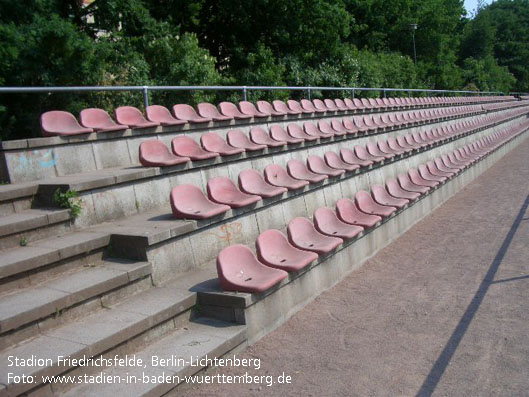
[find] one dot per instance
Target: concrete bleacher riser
(34, 159)
(264, 314)
(126, 199)
(244, 225)
(126, 276)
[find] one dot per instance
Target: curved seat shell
(259, 136)
(382, 197)
(317, 165)
(266, 107)
(278, 133)
(239, 270)
(297, 169)
(348, 212)
(132, 117)
(303, 235)
(252, 182)
(57, 122)
(222, 190)
(397, 191)
(274, 250)
(229, 109)
(99, 120)
(239, 139)
(212, 142)
(187, 147)
(160, 114)
(327, 222)
(210, 111)
(277, 176)
(153, 153)
(407, 184)
(365, 203)
(188, 114)
(249, 109)
(188, 202)
(295, 131)
(335, 161)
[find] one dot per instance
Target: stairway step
(31, 219)
(39, 301)
(45, 252)
(202, 337)
(102, 330)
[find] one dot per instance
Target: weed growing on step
(69, 199)
(23, 241)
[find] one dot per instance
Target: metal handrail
(244, 89)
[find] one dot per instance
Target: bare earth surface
(443, 310)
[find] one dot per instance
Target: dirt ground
(442, 310)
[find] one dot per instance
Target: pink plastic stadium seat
(239, 139)
(435, 170)
(407, 184)
(160, 114)
(278, 133)
(129, 115)
(296, 107)
(327, 222)
(188, 202)
(229, 109)
(419, 180)
(282, 107)
(319, 105)
(303, 235)
(363, 154)
(375, 151)
(252, 182)
(381, 196)
(348, 212)
(365, 203)
(319, 166)
(223, 191)
(274, 250)
(350, 157)
(99, 120)
(335, 161)
(397, 191)
(326, 128)
(58, 122)
(212, 142)
(154, 153)
(340, 104)
(309, 107)
(340, 128)
(313, 130)
(426, 174)
(187, 113)
(294, 130)
(297, 169)
(240, 271)
(187, 147)
(259, 136)
(266, 107)
(331, 105)
(250, 109)
(209, 111)
(277, 176)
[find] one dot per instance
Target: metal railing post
(308, 94)
(353, 93)
(145, 96)
(244, 93)
(384, 93)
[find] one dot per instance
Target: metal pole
(384, 93)
(353, 93)
(308, 94)
(244, 94)
(145, 96)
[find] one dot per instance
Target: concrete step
(23, 262)
(202, 337)
(101, 331)
(30, 225)
(39, 301)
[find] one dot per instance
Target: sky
(470, 5)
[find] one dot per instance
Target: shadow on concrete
(439, 367)
(509, 279)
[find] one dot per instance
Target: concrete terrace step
(102, 330)
(14, 225)
(39, 301)
(202, 337)
(41, 253)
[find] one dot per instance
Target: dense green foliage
(263, 42)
